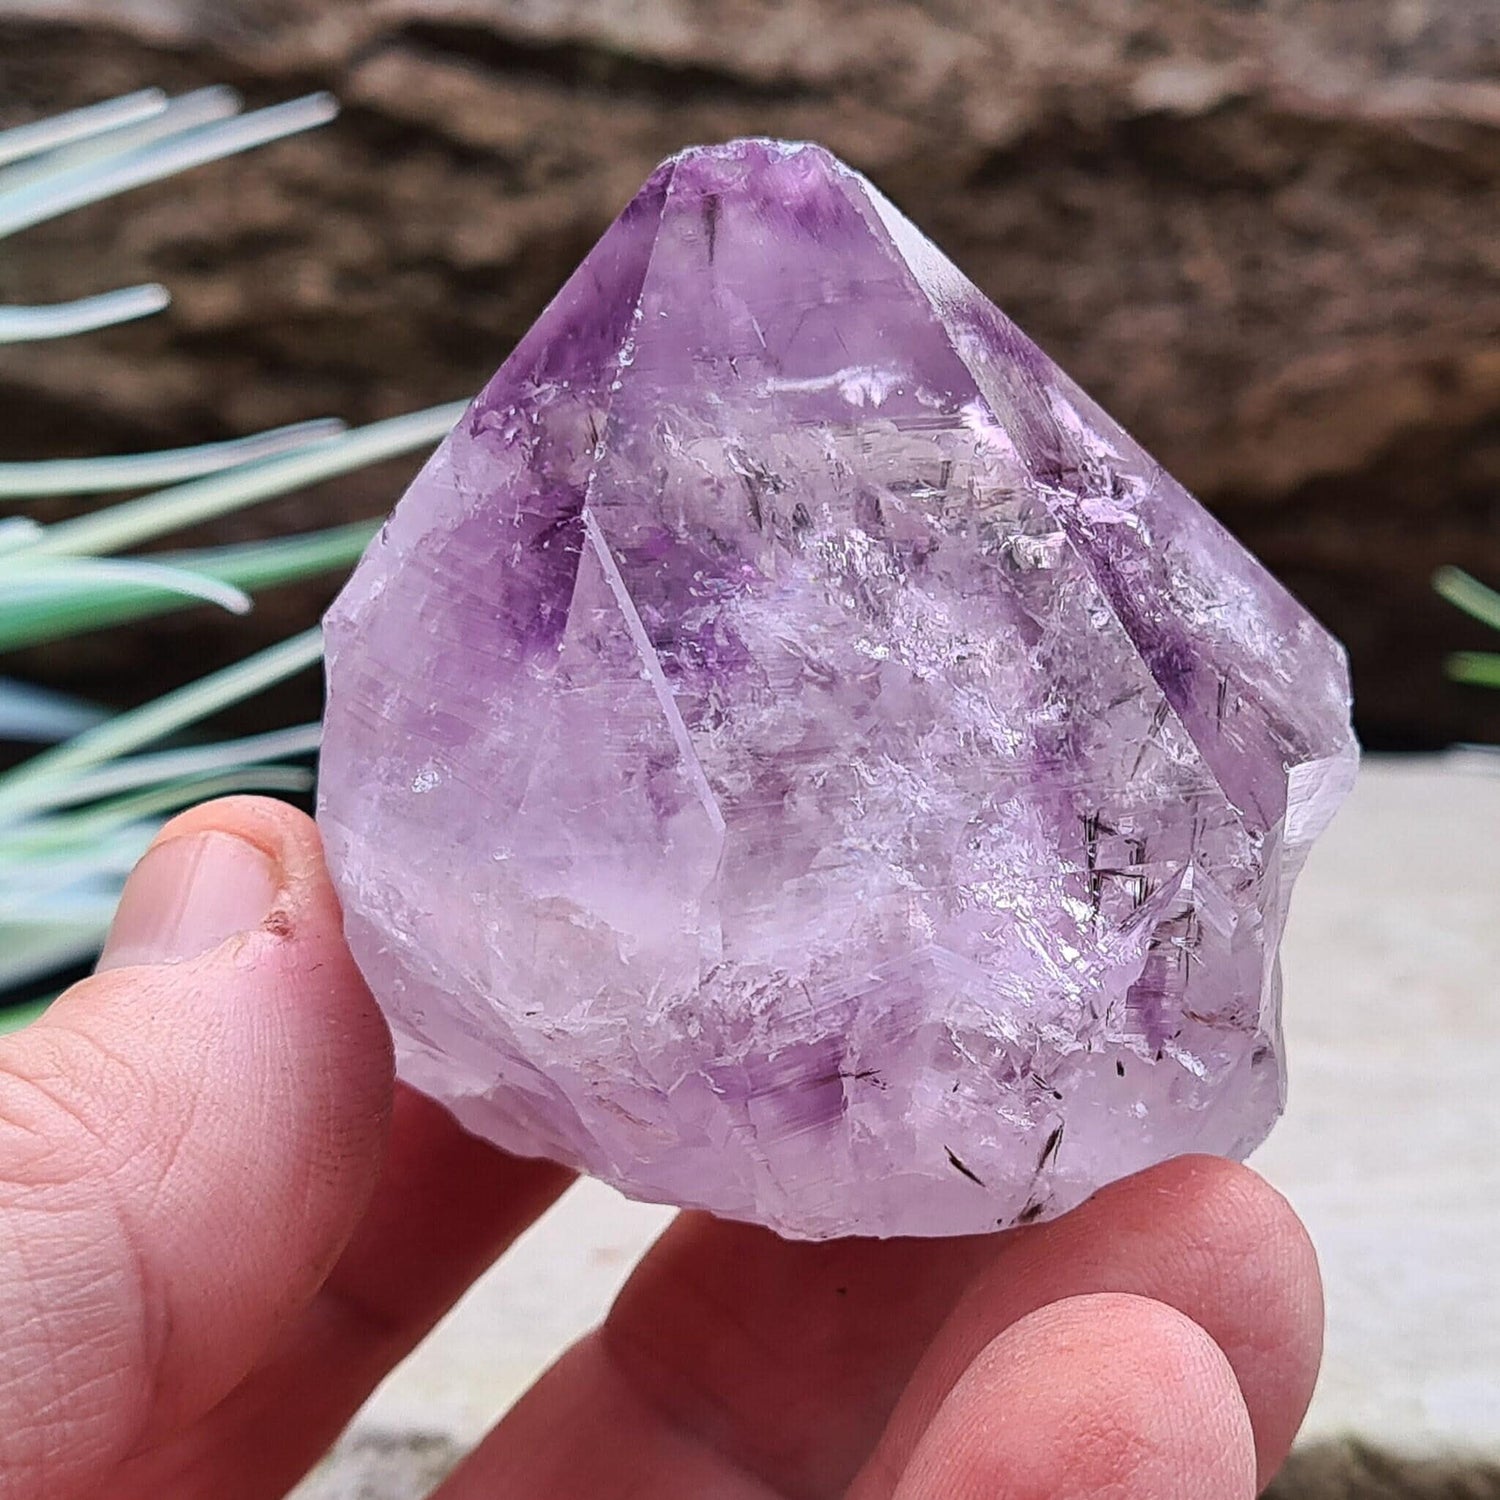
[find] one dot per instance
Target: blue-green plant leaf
(218, 758)
(185, 112)
(1479, 668)
(138, 471)
(39, 716)
(74, 817)
(17, 1017)
(251, 566)
(135, 521)
(60, 320)
(49, 579)
(34, 783)
(21, 141)
(1469, 594)
(61, 192)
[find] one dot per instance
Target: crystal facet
(791, 753)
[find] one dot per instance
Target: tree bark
(1265, 233)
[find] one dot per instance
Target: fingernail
(186, 896)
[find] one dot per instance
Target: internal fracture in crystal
(791, 753)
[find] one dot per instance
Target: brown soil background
(1266, 233)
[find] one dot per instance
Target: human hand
(221, 1224)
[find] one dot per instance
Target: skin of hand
(222, 1222)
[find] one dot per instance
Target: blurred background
(1264, 233)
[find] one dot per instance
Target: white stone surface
(555, 1284)
(1391, 1147)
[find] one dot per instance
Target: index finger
(738, 1359)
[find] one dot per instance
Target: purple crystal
(791, 753)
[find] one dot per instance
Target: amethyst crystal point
(791, 753)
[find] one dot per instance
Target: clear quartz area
(791, 754)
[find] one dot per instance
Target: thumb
(187, 1139)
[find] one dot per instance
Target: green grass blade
(251, 566)
(69, 882)
(67, 833)
(18, 531)
(1469, 595)
(50, 579)
(134, 521)
(81, 907)
(137, 471)
(16, 1017)
(21, 325)
(40, 716)
(171, 765)
(54, 195)
(71, 875)
(79, 124)
(258, 565)
(31, 950)
(186, 112)
(1479, 668)
(77, 845)
(130, 731)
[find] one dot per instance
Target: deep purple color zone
(791, 753)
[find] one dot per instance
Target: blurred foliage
(1483, 604)
(77, 814)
